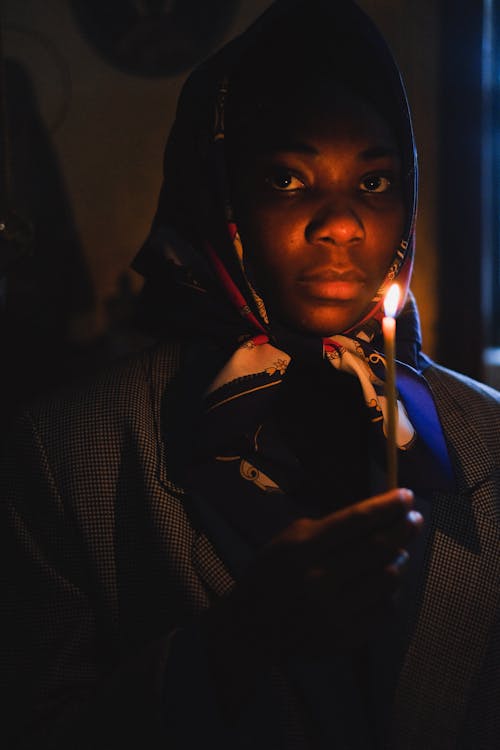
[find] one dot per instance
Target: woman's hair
(299, 60)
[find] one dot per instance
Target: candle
(389, 330)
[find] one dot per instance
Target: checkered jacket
(104, 561)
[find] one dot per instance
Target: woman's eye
(284, 181)
(376, 183)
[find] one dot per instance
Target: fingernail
(399, 563)
(406, 495)
(414, 517)
(401, 559)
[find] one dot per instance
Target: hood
(193, 261)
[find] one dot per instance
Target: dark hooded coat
(110, 558)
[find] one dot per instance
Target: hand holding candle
(389, 330)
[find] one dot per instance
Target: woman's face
(320, 210)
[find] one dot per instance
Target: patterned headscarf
(197, 270)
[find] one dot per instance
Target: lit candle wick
(389, 330)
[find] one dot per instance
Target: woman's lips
(331, 285)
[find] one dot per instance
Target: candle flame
(391, 301)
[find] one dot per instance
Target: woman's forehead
(333, 114)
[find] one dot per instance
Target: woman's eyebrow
(288, 147)
(301, 147)
(378, 152)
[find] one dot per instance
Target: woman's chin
(324, 320)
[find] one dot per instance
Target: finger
(398, 565)
(371, 559)
(343, 563)
(399, 534)
(378, 549)
(359, 520)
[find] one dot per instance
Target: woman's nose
(335, 222)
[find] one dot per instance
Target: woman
(204, 549)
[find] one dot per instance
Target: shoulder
(471, 393)
(124, 388)
(97, 420)
(467, 408)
